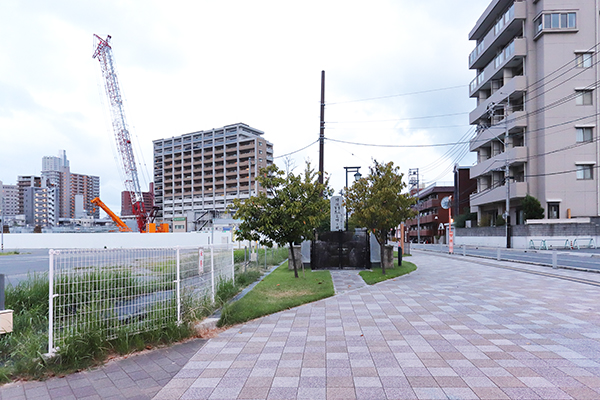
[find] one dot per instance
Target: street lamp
(357, 176)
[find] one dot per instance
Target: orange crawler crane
(152, 227)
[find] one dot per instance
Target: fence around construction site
(130, 290)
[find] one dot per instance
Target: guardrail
(577, 243)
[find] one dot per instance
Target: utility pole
(504, 142)
(507, 174)
(322, 132)
(413, 175)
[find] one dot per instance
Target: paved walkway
(346, 280)
(137, 377)
(457, 328)
(453, 329)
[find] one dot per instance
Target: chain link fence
(132, 290)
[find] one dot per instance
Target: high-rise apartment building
(202, 172)
(126, 205)
(9, 199)
(537, 113)
(68, 185)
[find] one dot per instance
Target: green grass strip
(375, 276)
(278, 291)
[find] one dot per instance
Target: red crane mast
(104, 55)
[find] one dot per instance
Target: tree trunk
(294, 259)
(381, 256)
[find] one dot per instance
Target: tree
(294, 207)
(377, 202)
(532, 209)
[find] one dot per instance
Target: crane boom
(122, 226)
(104, 55)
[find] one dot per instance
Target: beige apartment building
(537, 110)
(197, 175)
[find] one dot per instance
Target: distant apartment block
(9, 199)
(200, 173)
(56, 170)
(432, 216)
(126, 208)
(537, 110)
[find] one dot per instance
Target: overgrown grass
(9, 253)
(21, 352)
(375, 276)
(274, 256)
(278, 291)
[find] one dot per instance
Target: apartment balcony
(497, 195)
(516, 84)
(516, 121)
(509, 57)
(488, 18)
(515, 155)
(499, 33)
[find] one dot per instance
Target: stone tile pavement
(137, 377)
(346, 280)
(453, 329)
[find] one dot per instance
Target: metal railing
(136, 290)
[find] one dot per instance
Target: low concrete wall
(115, 240)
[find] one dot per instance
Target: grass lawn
(9, 253)
(375, 276)
(278, 291)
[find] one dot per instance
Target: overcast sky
(186, 66)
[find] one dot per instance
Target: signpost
(336, 214)
(446, 204)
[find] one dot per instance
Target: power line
(398, 119)
(297, 151)
(398, 95)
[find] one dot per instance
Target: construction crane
(122, 226)
(104, 55)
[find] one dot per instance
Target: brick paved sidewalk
(346, 280)
(137, 377)
(453, 329)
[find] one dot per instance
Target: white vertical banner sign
(201, 261)
(337, 214)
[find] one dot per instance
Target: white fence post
(212, 271)
(554, 259)
(51, 303)
(232, 265)
(464, 250)
(498, 255)
(178, 283)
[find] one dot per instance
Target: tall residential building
(24, 182)
(68, 185)
(9, 199)
(537, 107)
(202, 172)
(126, 206)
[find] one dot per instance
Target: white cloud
(192, 65)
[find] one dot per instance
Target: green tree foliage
(467, 215)
(532, 209)
(294, 207)
(377, 202)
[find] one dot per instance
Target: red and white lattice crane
(104, 55)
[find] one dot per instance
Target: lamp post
(357, 176)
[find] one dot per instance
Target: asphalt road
(17, 267)
(584, 258)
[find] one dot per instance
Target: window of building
(584, 135)
(583, 60)
(585, 172)
(583, 97)
(553, 210)
(556, 21)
